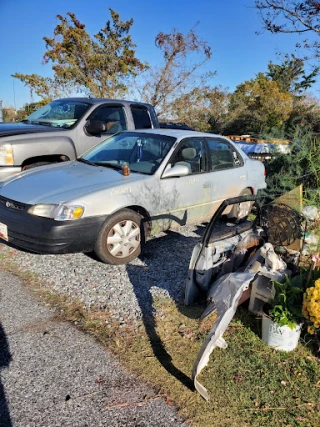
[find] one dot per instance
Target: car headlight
(6, 155)
(57, 212)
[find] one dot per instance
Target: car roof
(177, 133)
(102, 100)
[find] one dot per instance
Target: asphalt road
(51, 374)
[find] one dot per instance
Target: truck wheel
(35, 165)
(120, 238)
(241, 210)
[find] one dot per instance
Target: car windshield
(143, 151)
(62, 113)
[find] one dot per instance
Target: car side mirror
(95, 127)
(177, 171)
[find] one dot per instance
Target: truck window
(141, 117)
(112, 116)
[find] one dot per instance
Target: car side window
(112, 116)
(191, 153)
(141, 117)
(222, 155)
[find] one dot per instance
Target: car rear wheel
(241, 210)
(120, 238)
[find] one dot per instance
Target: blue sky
(228, 26)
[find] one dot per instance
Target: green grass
(249, 383)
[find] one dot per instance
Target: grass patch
(249, 383)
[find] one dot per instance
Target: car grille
(11, 204)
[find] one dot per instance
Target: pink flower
(315, 259)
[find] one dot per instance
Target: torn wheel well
(145, 214)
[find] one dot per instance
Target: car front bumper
(45, 235)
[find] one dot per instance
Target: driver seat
(187, 155)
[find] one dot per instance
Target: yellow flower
(310, 330)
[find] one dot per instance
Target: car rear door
(228, 175)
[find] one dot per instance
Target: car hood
(59, 183)
(11, 129)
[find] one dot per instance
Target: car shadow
(5, 358)
(172, 253)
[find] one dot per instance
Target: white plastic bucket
(280, 337)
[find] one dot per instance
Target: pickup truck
(66, 128)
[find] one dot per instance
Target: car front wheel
(120, 238)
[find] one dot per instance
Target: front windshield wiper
(80, 159)
(37, 122)
(109, 165)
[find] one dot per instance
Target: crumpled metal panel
(224, 296)
(228, 291)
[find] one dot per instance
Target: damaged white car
(234, 256)
(132, 185)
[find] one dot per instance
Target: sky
(228, 26)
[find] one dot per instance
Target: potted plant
(282, 320)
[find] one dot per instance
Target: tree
(291, 75)
(46, 88)
(204, 109)
(300, 166)
(98, 66)
(292, 16)
(258, 105)
(177, 76)
(8, 114)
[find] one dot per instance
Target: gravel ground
(127, 291)
(53, 375)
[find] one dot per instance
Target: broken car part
(228, 259)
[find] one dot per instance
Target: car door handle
(207, 184)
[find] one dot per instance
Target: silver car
(125, 189)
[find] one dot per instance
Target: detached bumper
(45, 235)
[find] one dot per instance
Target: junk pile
(311, 240)
(235, 256)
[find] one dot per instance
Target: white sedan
(130, 186)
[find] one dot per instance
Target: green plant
(301, 165)
(286, 305)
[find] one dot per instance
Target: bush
(300, 166)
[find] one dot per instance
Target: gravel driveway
(53, 375)
(126, 291)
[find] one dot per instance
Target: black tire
(117, 229)
(35, 165)
(241, 210)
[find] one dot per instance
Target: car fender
(48, 145)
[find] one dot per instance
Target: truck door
(141, 117)
(112, 116)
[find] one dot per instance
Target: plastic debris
(311, 212)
